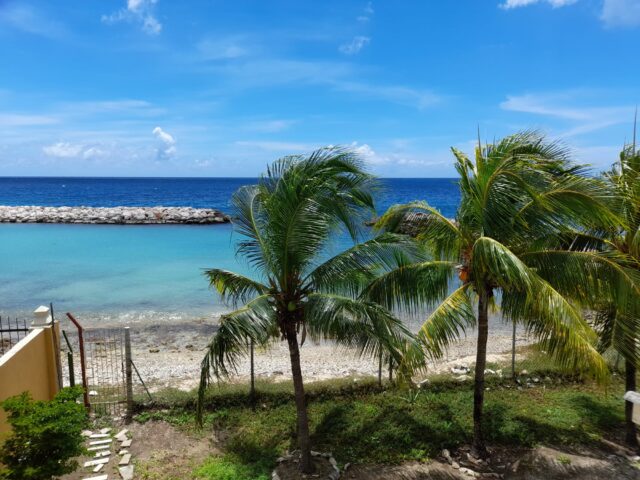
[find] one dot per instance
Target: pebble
(469, 472)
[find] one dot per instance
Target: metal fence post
(83, 367)
(129, 374)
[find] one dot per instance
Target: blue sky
(220, 88)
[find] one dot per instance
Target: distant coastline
(112, 215)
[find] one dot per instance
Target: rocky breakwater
(111, 215)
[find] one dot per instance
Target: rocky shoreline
(168, 355)
(112, 215)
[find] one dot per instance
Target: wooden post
(72, 378)
(252, 388)
(513, 351)
(390, 369)
(128, 374)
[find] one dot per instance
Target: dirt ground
(609, 462)
(161, 451)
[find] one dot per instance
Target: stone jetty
(111, 215)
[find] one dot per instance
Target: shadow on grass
(393, 434)
(582, 422)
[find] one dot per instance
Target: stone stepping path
(100, 444)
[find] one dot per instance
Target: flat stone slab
(126, 458)
(122, 434)
(99, 477)
(98, 467)
(126, 443)
(86, 433)
(126, 472)
(99, 435)
(123, 452)
(101, 442)
(99, 447)
(103, 453)
(105, 430)
(98, 461)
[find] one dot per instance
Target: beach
(169, 355)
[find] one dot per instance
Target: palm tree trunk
(630, 385)
(304, 440)
(479, 448)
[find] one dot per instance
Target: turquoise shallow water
(114, 274)
(133, 273)
(120, 270)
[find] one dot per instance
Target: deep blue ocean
(111, 274)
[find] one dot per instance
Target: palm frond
(411, 287)
(309, 198)
(619, 330)
(232, 287)
(351, 270)
(500, 266)
(364, 326)
(590, 277)
(559, 327)
(426, 223)
(448, 322)
(254, 322)
(248, 220)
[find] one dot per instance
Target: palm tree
(517, 194)
(285, 223)
(619, 321)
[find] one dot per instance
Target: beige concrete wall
(29, 366)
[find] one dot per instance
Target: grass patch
(229, 467)
(362, 423)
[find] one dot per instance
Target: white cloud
(395, 158)
(368, 154)
(74, 150)
(412, 97)
(20, 120)
(569, 106)
(614, 13)
(621, 13)
(262, 72)
(269, 126)
(63, 150)
(167, 144)
(141, 12)
(222, 48)
(509, 4)
(367, 13)
(125, 107)
(355, 45)
(276, 146)
(27, 19)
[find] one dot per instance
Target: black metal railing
(12, 330)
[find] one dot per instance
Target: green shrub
(45, 437)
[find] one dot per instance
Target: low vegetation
(46, 436)
(361, 423)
